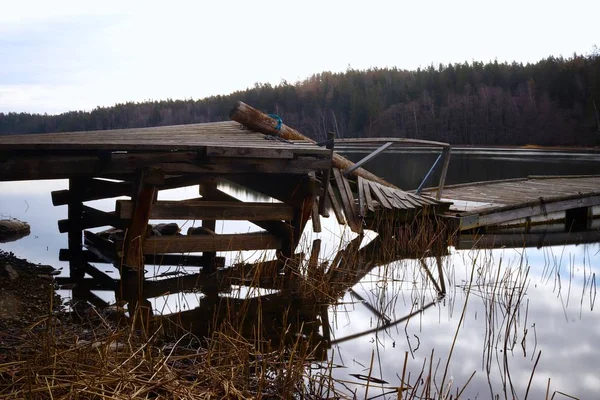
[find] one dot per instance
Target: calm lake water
(556, 317)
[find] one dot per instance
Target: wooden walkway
(513, 212)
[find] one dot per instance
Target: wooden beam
(136, 233)
(261, 122)
(211, 210)
(252, 166)
(93, 218)
(210, 243)
(94, 189)
(29, 167)
(252, 152)
(117, 165)
(278, 228)
(184, 260)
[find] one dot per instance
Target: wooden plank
(210, 243)
(367, 193)
(362, 202)
(347, 201)
(280, 229)
(93, 218)
(165, 138)
(335, 205)
(211, 210)
(379, 196)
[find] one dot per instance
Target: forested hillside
(552, 102)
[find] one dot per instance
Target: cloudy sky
(72, 55)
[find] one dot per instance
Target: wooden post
(75, 215)
(136, 235)
(261, 122)
(446, 154)
(207, 190)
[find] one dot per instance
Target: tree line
(555, 101)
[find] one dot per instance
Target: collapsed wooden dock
(303, 181)
(526, 212)
(257, 152)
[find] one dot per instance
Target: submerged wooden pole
(261, 122)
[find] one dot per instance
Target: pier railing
(443, 158)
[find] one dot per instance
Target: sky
(76, 55)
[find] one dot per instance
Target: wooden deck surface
(228, 139)
(482, 197)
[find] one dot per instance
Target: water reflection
(517, 305)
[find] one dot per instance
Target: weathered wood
(380, 196)
(348, 201)
(362, 202)
(291, 190)
(323, 196)
(211, 210)
(219, 151)
(136, 233)
(101, 248)
(367, 193)
(94, 189)
(93, 165)
(75, 238)
(193, 137)
(316, 218)
(118, 165)
(157, 260)
(446, 152)
(335, 205)
(518, 240)
(527, 209)
(100, 276)
(261, 122)
(210, 243)
(93, 218)
(277, 228)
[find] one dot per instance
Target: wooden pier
(255, 151)
(303, 181)
(525, 212)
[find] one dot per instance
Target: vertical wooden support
(446, 152)
(135, 237)
(75, 215)
(438, 260)
(75, 234)
(207, 191)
